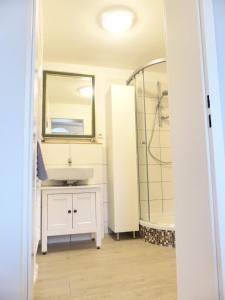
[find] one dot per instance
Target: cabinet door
(84, 212)
(60, 212)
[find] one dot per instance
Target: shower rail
(149, 64)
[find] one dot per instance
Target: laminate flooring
(127, 269)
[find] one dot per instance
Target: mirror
(68, 105)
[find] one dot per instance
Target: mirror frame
(64, 136)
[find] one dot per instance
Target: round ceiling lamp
(117, 19)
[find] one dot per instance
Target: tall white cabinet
(122, 160)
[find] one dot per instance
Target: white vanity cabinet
(71, 210)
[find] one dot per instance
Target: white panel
(59, 217)
(84, 212)
(123, 190)
(86, 153)
(55, 154)
(97, 176)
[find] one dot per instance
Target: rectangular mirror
(68, 105)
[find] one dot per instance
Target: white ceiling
(72, 33)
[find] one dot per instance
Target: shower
(153, 146)
(161, 118)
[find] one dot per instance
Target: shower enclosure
(153, 145)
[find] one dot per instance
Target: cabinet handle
(69, 161)
(75, 211)
(69, 211)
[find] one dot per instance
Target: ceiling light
(86, 91)
(117, 20)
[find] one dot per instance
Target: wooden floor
(128, 269)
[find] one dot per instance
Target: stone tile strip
(165, 238)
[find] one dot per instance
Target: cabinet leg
(44, 243)
(93, 236)
(134, 235)
(118, 236)
(98, 239)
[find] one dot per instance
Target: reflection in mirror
(68, 105)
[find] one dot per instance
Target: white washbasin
(69, 173)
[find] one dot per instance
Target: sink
(69, 173)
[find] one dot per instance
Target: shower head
(164, 93)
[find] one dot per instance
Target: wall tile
(142, 155)
(150, 121)
(155, 207)
(155, 173)
(98, 174)
(167, 173)
(165, 123)
(142, 173)
(166, 154)
(86, 153)
(155, 190)
(165, 139)
(140, 104)
(168, 207)
(151, 104)
(157, 153)
(144, 208)
(140, 121)
(143, 191)
(167, 190)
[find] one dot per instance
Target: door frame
(199, 199)
(216, 132)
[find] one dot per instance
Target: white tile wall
(150, 105)
(157, 153)
(143, 192)
(156, 206)
(155, 190)
(166, 154)
(154, 173)
(160, 177)
(144, 208)
(167, 173)
(168, 206)
(165, 139)
(167, 190)
(142, 173)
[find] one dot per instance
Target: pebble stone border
(165, 238)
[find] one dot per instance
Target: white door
(60, 212)
(84, 212)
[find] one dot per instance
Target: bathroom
(69, 236)
(110, 183)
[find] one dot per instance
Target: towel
(41, 170)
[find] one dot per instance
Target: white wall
(16, 148)
(196, 255)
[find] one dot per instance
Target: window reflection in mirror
(68, 105)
